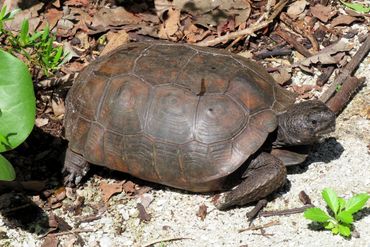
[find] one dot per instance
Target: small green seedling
(342, 212)
(358, 7)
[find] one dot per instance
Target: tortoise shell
(174, 114)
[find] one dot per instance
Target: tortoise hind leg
(264, 175)
(75, 168)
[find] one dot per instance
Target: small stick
(325, 75)
(248, 31)
(252, 228)
(292, 41)
(164, 240)
(341, 98)
(285, 211)
(348, 70)
(274, 53)
(68, 232)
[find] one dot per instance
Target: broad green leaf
(335, 230)
(2, 12)
(345, 217)
(361, 8)
(316, 214)
(355, 203)
(344, 230)
(17, 101)
(7, 172)
(331, 199)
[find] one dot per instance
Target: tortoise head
(304, 123)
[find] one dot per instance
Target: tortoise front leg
(264, 175)
(75, 168)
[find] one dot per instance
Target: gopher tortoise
(193, 118)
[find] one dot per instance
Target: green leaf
(357, 7)
(356, 203)
(331, 199)
(345, 217)
(2, 12)
(342, 204)
(335, 230)
(344, 230)
(316, 214)
(329, 225)
(7, 172)
(17, 101)
(45, 33)
(24, 32)
(57, 56)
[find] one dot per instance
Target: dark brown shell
(178, 115)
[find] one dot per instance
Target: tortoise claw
(75, 168)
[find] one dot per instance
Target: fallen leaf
(296, 8)
(39, 122)
(326, 55)
(143, 214)
(114, 40)
(114, 17)
(57, 104)
(146, 200)
(282, 75)
(304, 88)
(202, 212)
(108, 190)
(129, 188)
(77, 3)
(322, 12)
(50, 241)
(343, 20)
(208, 13)
(171, 25)
(53, 16)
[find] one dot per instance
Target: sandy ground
(342, 163)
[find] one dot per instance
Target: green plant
(17, 108)
(341, 219)
(358, 7)
(38, 48)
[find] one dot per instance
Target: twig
(341, 98)
(248, 31)
(292, 41)
(325, 75)
(164, 240)
(68, 232)
(285, 211)
(348, 70)
(252, 228)
(274, 53)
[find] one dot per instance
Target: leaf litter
(89, 30)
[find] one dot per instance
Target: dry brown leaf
(323, 13)
(146, 200)
(77, 3)
(171, 25)
(282, 75)
(296, 8)
(39, 122)
(129, 188)
(202, 212)
(57, 104)
(143, 214)
(208, 13)
(326, 55)
(50, 241)
(343, 20)
(106, 17)
(303, 89)
(114, 40)
(53, 16)
(108, 190)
